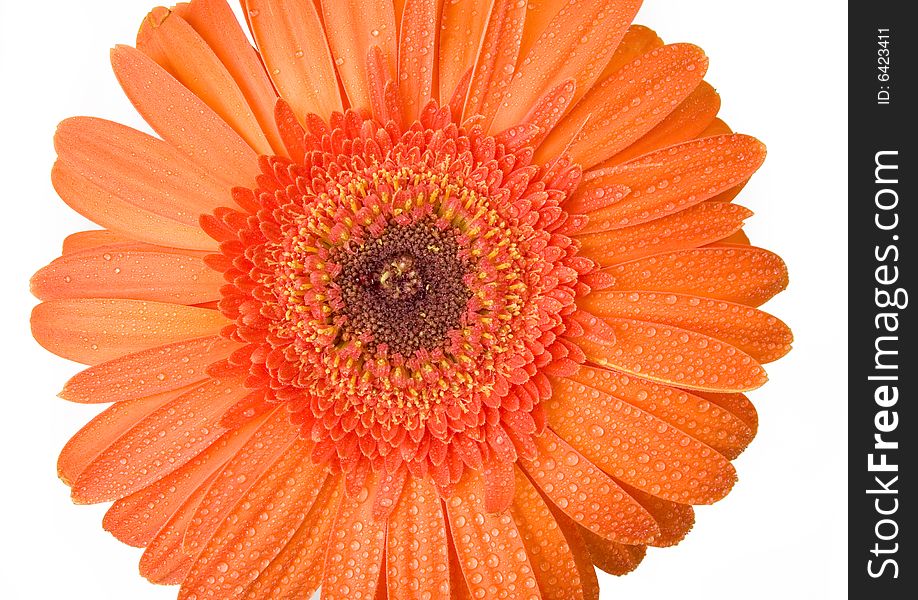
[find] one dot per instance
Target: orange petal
(576, 44)
(217, 25)
(539, 14)
(163, 562)
(612, 557)
(417, 559)
(416, 56)
(102, 431)
(488, 546)
(183, 119)
(269, 442)
(688, 412)
(635, 447)
(168, 39)
(138, 168)
(738, 237)
(686, 122)
(297, 571)
(760, 335)
(555, 567)
(85, 240)
(461, 29)
(638, 41)
(162, 276)
(459, 590)
(136, 519)
(549, 110)
(117, 210)
(353, 27)
(676, 356)
(695, 226)
(159, 444)
(627, 105)
(499, 485)
(258, 528)
(742, 274)
(92, 331)
(147, 372)
(586, 494)
(674, 520)
(497, 57)
(667, 181)
(355, 548)
(717, 127)
(736, 404)
(292, 42)
(580, 552)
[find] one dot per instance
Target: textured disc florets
(404, 291)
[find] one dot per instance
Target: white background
(781, 70)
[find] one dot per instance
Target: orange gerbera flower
(421, 299)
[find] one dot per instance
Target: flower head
(420, 299)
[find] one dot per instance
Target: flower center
(405, 292)
(399, 278)
(404, 288)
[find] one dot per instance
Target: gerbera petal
(553, 563)
(91, 331)
(688, 412)
(612, 557)
(161, 275)
(576, 44)
(672, 179)
(86, 240)
(296, 572)
(258, 455)
(356, 545)
(459, 589)
(497, 56)
(159, 444)
(628, 104)
(138, 168)
(353, 27)
(259, 527)
(417, 559)
(549, 109)
(674, 520)
(461, 29)
(169, 40)
(635, 447)
(416, 56)
(736, 404)
(698, 225)
(163, 562)
(637, 41)
(717, 127)
(742, 274)
(136, 519)
(115, 210)
(676, 356)
(183, 119)
(217, 25)
(580, 552)
(488, 546)
(102, 431)
(539, 13)
(758, 334)
(586, 494)
(292, 42)
(147, 372)
(686, 122)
